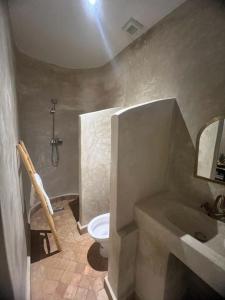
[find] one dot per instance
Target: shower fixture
(55, 141)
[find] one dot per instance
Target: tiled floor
(75, 273)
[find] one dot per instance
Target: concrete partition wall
(94, 163)
(140, 157)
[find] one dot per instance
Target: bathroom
(118, 104)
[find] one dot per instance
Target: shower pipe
(55, 142)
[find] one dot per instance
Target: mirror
(210, 162)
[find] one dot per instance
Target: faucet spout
(219, 204)
(217, 210)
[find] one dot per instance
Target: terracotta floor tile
(49, 286)
(86, 282)
(72, 267)
(75, 273)
(102, 295)
(76, 279)
(98, 284)
(81, 294)
(35, 296)
(53, 273)
(91, 295)
(52, 297)
(67, 277)
(80, 267)
(70, 292)
(61, 263)
(61, 289)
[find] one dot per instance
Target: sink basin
(200, 226)
(192, 222)
(192, 236)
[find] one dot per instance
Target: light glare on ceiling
(92, 2)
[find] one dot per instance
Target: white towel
(40, 184)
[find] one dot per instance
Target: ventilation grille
(133, 27)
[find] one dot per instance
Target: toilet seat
(98, 228)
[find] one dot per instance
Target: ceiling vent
(133, 27)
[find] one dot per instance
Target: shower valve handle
(56, 141)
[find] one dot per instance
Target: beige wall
(182, 57)
(13, 248)
(140, 163)
(94, 163)
(77, 92)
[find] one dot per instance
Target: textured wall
(77, 92)
(140, 163)
(13, 252)
(182, 57)
(95, 162)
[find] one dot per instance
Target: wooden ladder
(31, 172)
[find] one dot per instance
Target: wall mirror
(210, 160)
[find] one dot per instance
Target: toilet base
(103, 251)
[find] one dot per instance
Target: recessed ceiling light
(92, 2)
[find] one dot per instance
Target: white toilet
(98, 228)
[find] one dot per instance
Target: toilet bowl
(98, 228)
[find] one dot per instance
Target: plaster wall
(94, 163)
(13, 248)
(153, 258)
(77, 92)
(148, 157)
(158, 274)
(182, 56)
(140, 160)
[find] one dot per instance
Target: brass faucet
(217, 210)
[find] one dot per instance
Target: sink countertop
(177, 225)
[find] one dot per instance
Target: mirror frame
(218, 118)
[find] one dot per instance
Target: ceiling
(75, 34)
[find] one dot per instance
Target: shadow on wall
(5, 280)
(182, 165)
(185, 285)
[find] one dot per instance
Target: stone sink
(199, 226)
(193, 237)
